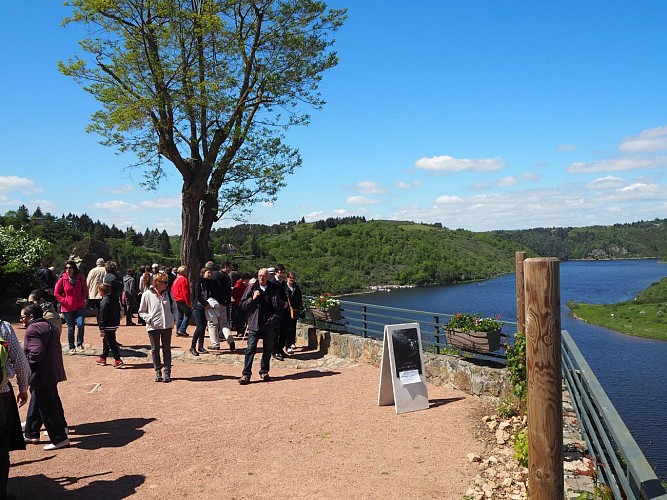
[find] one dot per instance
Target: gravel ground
(314, 431)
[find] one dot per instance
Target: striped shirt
(17, 363)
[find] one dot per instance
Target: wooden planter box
(331, 315)
(474, 341)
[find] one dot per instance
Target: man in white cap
(94, 278)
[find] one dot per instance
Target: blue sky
(477, 114)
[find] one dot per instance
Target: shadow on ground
(304, 374)
(110, 434)
(40, 486)
(434, 403)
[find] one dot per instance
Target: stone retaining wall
(441, 369)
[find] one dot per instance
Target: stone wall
(441, 369)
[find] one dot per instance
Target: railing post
(520, 257)
(437, 334)
(543, 371)
(364, 317)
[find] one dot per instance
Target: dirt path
(315, 431)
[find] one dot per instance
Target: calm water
(633, 371)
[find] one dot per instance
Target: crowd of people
(264, 306)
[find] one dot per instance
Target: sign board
(402, 375)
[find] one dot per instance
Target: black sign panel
(406, 350)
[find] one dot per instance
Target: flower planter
(474, 341)
(331, 315)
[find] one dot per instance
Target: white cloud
(654, 139)
(114, 206)
(567, 147)
(575, 204)
(507, 181)
(118, 190)
(531, 176)
(14, 183)
(446, 163)
(369, 187)
(166, 202)
(478, 186)
(338, 212)
(445, 199)
(408, 185)
(607, 182)
(618, 164)
(361, 200)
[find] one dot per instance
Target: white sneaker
(290, 350)
(293, 346)
(72, 351)
(80, 348)
(57, 446)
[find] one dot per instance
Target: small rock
(473, 457)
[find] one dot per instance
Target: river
(633, 371)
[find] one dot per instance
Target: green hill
(356, 254)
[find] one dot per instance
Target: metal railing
(620, 464)
(369, 320)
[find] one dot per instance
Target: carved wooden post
(543, 371)
(520, 294)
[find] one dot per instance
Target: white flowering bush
(20, 255)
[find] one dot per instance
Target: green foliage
(20, 254)
(521, 447)
(516, 364)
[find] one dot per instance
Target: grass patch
(630, 318)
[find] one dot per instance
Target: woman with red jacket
(71, 291)
(180, 289)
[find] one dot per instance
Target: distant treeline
(620, 241)
(349, 254)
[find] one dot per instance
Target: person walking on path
(203, 292)
(130, 294)
(44, 355)
(71, 293)
(108, 320)
(180, 289)
(42, 298)
(262, 304)
(15, 364)
(94, 278)
(158, 310)
(293, 311)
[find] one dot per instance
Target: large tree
(209, 85)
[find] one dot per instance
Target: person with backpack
(12, 362)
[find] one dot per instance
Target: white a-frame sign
(402, 375)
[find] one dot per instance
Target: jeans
(75, 318)
(184, 314)
(163, 337)
(267, 334)
(201, 322)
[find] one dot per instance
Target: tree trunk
(194, 247)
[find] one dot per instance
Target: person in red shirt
(238, 317)
(180, 289)
(71, 291)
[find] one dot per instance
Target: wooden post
(520, 294)
(543, 371)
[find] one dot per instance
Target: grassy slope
(646, 316)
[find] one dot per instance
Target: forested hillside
(620, 241)
(349, 255)
(338, 255)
